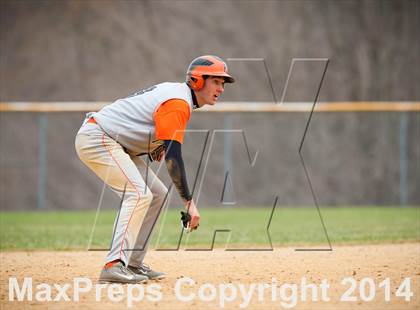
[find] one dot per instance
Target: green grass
(69, 230)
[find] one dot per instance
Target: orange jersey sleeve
(171, 120)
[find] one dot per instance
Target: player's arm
(176, 168)
(171, 121)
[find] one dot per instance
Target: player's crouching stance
(152, 121)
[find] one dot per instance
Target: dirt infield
(227, 273)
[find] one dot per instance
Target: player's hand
(161, 156)
(157, 154)
(195, 215)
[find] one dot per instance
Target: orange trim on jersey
(92, 121)
(171, 120)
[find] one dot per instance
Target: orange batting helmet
(207, 65)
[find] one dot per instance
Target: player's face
(213, 88)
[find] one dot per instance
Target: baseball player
(151, 122)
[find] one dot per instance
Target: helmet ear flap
(196, 82)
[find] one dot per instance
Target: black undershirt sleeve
(176, 169)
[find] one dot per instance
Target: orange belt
(92, 120)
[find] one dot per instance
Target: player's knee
(162, 192)
(147, 196)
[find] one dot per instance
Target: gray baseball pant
(142, 202)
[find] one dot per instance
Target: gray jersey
(130, 120)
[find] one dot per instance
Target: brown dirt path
(394, 261)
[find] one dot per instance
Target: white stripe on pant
(141, 205)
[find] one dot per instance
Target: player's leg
(115, 167)
(159, 192)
